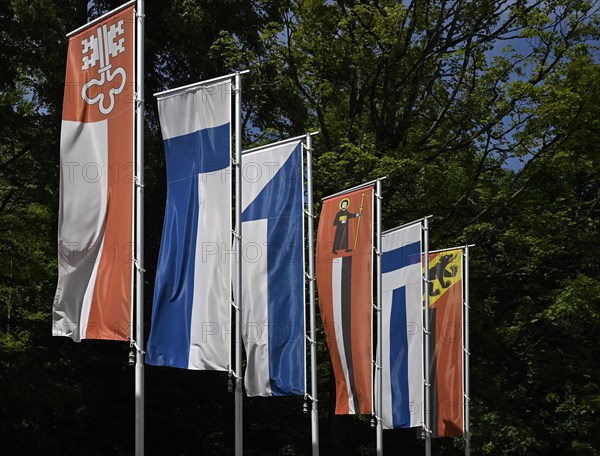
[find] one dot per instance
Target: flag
(95, 223)
(345, 284)
(402, 330)
(446, 354)
(273, 270)
(192, 292)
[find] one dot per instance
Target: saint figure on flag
(340, 240)
(345, 281)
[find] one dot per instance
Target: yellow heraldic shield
(445, 271)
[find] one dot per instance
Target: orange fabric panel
(448, 375)
(343, 234)
(110, 311)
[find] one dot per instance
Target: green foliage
(484, 114)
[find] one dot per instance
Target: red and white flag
(446, 370)
(95, 227)
(345, 282)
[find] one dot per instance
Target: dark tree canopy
(484, 114)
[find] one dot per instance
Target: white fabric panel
(81, 224)
(409, 277)
(198, 109)
(260, 167)
(414, 334)
(255, 309)
(401, 237)
(210, 343)
(89, 294)
(336, 287)
(395, 279)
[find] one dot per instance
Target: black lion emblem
(439, 272)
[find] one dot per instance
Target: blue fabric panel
(282, 195)
(169, 341)
(399, 360)
(281, 203)
(197, 153)
(286, 304)
(401, 257)
(186, 157)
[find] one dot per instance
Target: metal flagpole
(426, 334)
(467, 354)
(314, 414)
(139, 237)
(239, 416)
(379, 309)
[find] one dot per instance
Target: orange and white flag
(95, 227)
(446, 296)
(345, 283)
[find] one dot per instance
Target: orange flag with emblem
(95, 224)
(345, 281)
(446, 354)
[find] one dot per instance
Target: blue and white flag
(402, 337)
(192, 293)
(273, 270)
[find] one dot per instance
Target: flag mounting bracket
(312, 342)
(308, 396)
(313, 216)
(308, 276)
(137, 265)
(138, 99)
(374, 419)
(377, 366)
(133, 343)
(136, 181)
(234, 375)
(234, 305)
